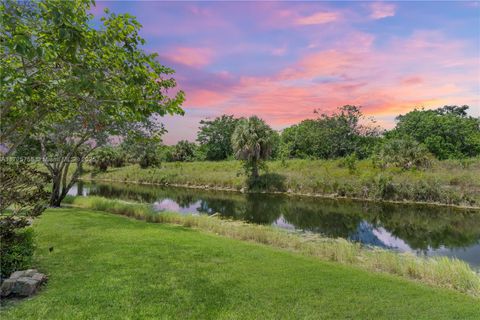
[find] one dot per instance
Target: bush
(402, 153)
(105, 157)
(16, 246)
(149, 158)
(350, 162)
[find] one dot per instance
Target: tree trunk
(55, 198)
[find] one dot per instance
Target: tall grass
(440, 272)
(446, 182)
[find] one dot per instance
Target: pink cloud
(194, 57)
(380, 10)
(318, 18)
(379, 79)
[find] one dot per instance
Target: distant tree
(331, 136)
(144, 148)
(184, 151)
(252, 142)
(102, 158)
(214, 137)
(447, 132)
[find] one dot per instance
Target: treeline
(418, 137)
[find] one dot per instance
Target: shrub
(16, 246)
(402, 153)
(149, 158)
(350, 162)
(103, 158)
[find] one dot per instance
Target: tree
(40, 61)
(331, 136)
(447, 132)
(104, 157)
(252, 142)
(184, 151)
(128, 96)
(215, 137)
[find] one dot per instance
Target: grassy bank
(109, 267)
(441, 272)
(446, 182)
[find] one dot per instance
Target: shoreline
(286, 193)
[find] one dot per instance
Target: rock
(40, 277)
(30, 272)
(25, 286)
(17, 274)
(7, 287)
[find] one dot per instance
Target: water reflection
(425, 230)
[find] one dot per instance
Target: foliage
(215, 137)
(447, 132)
(40, 50)
(22, 191)
(350, 162)
(22, 197)
(252, 142)
(402, 153)
(331, 136)
(16, 247)
(105, 84)
(104, 157)
(149, 158)
(184, 151)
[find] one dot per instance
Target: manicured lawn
(105, 266)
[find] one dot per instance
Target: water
(423, 230)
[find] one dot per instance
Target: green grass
(110, 267)
(446, 182)
(438, 271)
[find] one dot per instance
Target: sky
(283, 60)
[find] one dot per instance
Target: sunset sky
(281, 60)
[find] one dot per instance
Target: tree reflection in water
(420, 227)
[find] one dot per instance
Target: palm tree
(252, 142)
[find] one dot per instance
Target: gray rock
(30, 272)
(25, 286)
(40, 277)
(17, 274)
(7, 287)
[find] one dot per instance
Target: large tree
(447, 132)
(252, 142)
(114, 89)
(42, 45)
(215, 137)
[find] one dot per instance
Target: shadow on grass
(267, 182)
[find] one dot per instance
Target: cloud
(380, 10)
(321, 17)
(190, 56)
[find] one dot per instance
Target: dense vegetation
(110, 266)
(446, 182)
(420, 137)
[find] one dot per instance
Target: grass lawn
(105, 266)
(447, 182)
